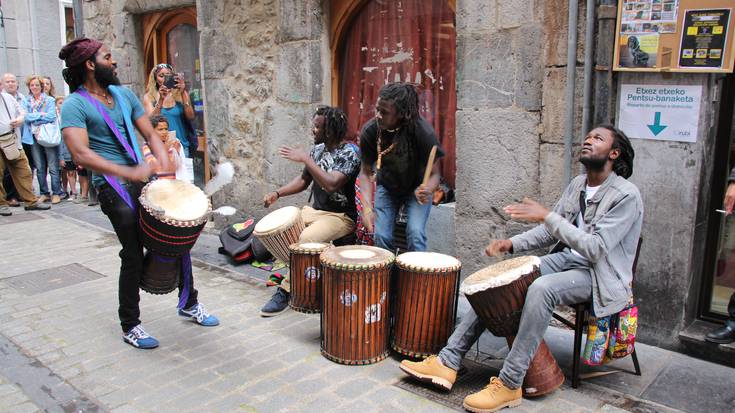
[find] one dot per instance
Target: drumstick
(429, 166)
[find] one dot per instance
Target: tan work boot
(43, 199)
(55, 199)
(431, 370)
(493, 397)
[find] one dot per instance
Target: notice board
(675, 36)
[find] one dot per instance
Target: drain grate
(16, 218)
(472, 378)
(37, 282)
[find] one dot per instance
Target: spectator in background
(41, 109)
(9, 84)
(174, 150)
(11, 119)
(48, 86)
(173, 102)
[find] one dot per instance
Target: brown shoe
(493, 397)
(43, 198)
(431, 371)
(13, 202)
(37, 207)
(55, 199)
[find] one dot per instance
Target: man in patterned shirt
(332, 164)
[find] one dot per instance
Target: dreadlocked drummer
(332, 165)
(395, 148)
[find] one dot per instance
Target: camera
(169, 81)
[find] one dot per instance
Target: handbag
(9, 141)
(49, 135)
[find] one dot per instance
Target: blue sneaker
(199, 314)
(138, 338)
(277, 304)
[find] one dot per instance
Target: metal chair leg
(579, 318)
(637, 366)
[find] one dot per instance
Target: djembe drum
(305, 276)
(425, 302)
(497, 294)
(355, 304)
(172, 214)
(279, 229)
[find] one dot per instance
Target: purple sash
(112, 180)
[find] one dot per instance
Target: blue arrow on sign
(657, 127)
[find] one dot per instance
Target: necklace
(105, 96)
(384, 151)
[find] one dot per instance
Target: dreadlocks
(623, 165)
(405, 98)
(335, 123)
(74, 76)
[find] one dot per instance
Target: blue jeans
(386, 208)
(565, 279)
(45, 158)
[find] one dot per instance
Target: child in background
(173, 147)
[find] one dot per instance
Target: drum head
(427, 261)
(499, 274)
(180, 200)
(357, 257)
(277, 220)
(308, 247)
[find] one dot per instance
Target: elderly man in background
(12, 156)
(9, 84)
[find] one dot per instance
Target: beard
(592, 163)
(105, 76)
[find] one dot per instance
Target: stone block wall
(263, 74)
(511, 58)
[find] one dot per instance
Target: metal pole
(571, 76)
(78, 18)
(589, 39)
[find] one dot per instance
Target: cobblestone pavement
(248, 363)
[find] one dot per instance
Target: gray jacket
(613, 220)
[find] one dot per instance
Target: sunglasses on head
(163, 66)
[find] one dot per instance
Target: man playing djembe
(98, 121)
(598, 220)
(332, 165)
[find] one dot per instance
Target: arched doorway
(172, 37)
(376, 42)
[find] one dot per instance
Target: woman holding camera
(166, 95)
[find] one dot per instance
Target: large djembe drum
(172, 214)
(355, 317)
(279, 229)
(305, 276)
(425, 302)
(497, 294)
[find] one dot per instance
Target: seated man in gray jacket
(598, 219)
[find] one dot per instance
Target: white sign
(662, 112)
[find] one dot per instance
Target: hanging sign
(660, 112)
(703, 38)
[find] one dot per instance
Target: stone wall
(511, 58)
(263, 73)
(669, 176)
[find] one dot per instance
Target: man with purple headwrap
(98, 121)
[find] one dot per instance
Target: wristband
(278, 195)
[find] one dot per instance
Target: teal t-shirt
(77, 112)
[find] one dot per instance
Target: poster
(660, 112)
(703, 38)
(638, 50)
(649, 16)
